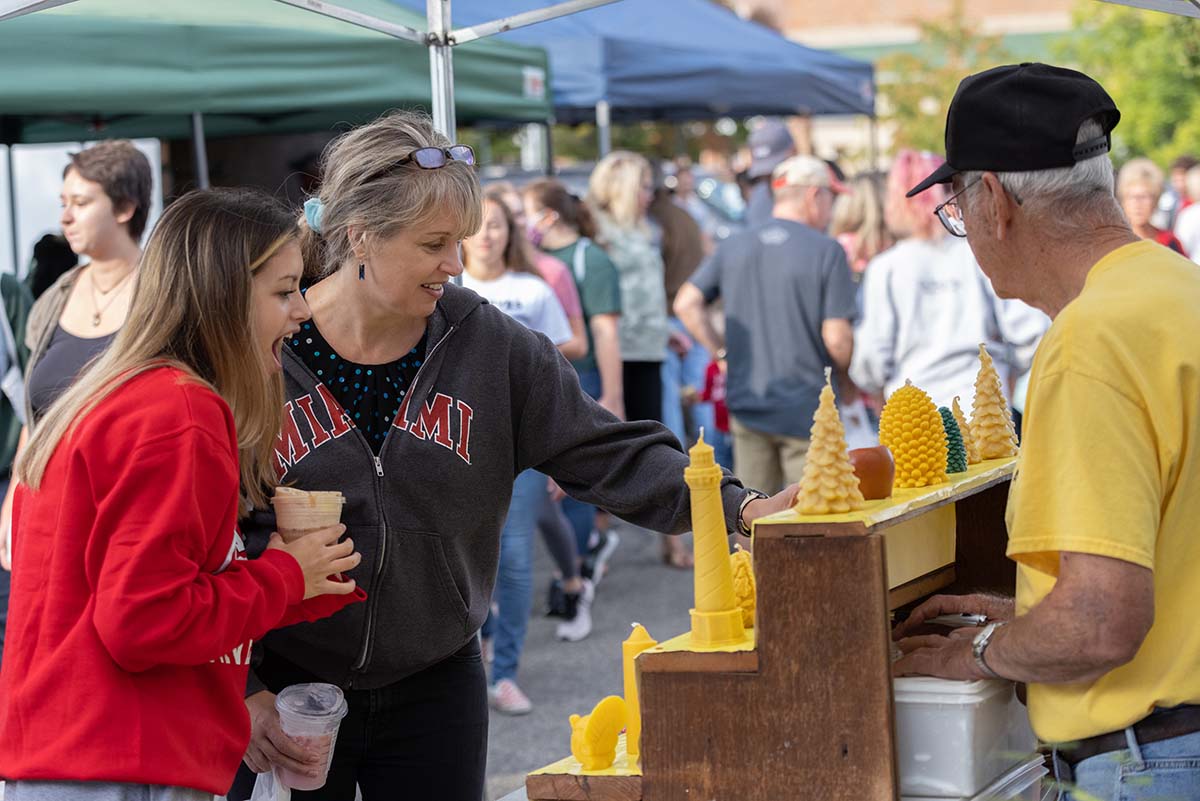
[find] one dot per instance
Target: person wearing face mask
(560, 224)
(133, 602)
(105, 205)
(465, 399)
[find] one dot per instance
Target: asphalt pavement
(563, 678)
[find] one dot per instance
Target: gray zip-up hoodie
(491, 399)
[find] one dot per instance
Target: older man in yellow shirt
(1104, 513)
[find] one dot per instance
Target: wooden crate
(803, 709)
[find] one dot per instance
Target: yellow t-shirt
(1110, 465)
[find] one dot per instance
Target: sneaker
(556, 600)
(506, 698)
(580, 626)
(597, 558)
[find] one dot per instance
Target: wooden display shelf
(803, 708)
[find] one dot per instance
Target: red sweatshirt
(133, 605)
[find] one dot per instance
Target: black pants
(422, 738)
(643, 390)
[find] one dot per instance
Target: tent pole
(12, 211)
(873, 145)
(200, 150)
(604, 127)
(549, 151)
(441, 66)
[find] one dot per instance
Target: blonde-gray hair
(364, 187)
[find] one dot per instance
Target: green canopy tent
(127, 67)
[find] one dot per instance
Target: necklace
(97, 294)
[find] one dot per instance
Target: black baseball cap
(1022, 117)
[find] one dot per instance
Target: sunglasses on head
(432, 158)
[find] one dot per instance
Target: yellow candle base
(715, 629)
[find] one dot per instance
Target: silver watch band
(979, 647)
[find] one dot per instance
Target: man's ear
(997, 202)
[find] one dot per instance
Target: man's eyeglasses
(950, 213)
(432, 158)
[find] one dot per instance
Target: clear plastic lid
(314, 700)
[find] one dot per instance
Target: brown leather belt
(1162, 724)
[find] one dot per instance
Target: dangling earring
(362, 271)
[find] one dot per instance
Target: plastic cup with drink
(299, 512)
(310, 714)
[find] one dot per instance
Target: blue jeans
(583, 515)
(678, 372)
(514, 583)
(1168, 770)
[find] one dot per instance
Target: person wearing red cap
(789, 299)
(1102, 511)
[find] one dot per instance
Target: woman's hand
(321, 557)
(761, 507)
(270, 746)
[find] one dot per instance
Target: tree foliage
(1150, 63)
(918, 86)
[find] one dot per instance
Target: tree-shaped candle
(965, 430)
(828, 485)
(956, 453)
(991, 419)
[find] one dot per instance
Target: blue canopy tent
(678, 60)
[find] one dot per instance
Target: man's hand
(943, 657)
(761, 507)
(995, 607)
(270, 746)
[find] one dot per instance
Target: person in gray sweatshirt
(421, 402)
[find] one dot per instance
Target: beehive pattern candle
(828, 485)
(965, 430)
(956, 453)
(639, 640)
(743, 584)
(991, 419)
(716, 618)
(911, 428)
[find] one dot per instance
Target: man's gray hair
(1085, 190)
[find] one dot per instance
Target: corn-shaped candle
(911, 428)
(991, 419)
(965, 430)
(828, 485)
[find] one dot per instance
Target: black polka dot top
(370, 393)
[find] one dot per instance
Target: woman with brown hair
(466, 399)
(105, 206)
(133, 604)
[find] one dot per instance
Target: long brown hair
(192, 310)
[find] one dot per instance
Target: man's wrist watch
(751, 495)
(720, 354)
(979, 647)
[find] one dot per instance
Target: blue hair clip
(314, 210)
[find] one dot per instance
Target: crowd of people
(154, 397)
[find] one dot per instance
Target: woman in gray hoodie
(421, 403)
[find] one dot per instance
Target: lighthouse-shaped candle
(717, 618)
(639, 640)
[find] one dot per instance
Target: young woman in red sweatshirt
(133, 605)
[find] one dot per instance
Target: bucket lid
(926, 689)
(315, 700)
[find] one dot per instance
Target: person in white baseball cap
(805, 188)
